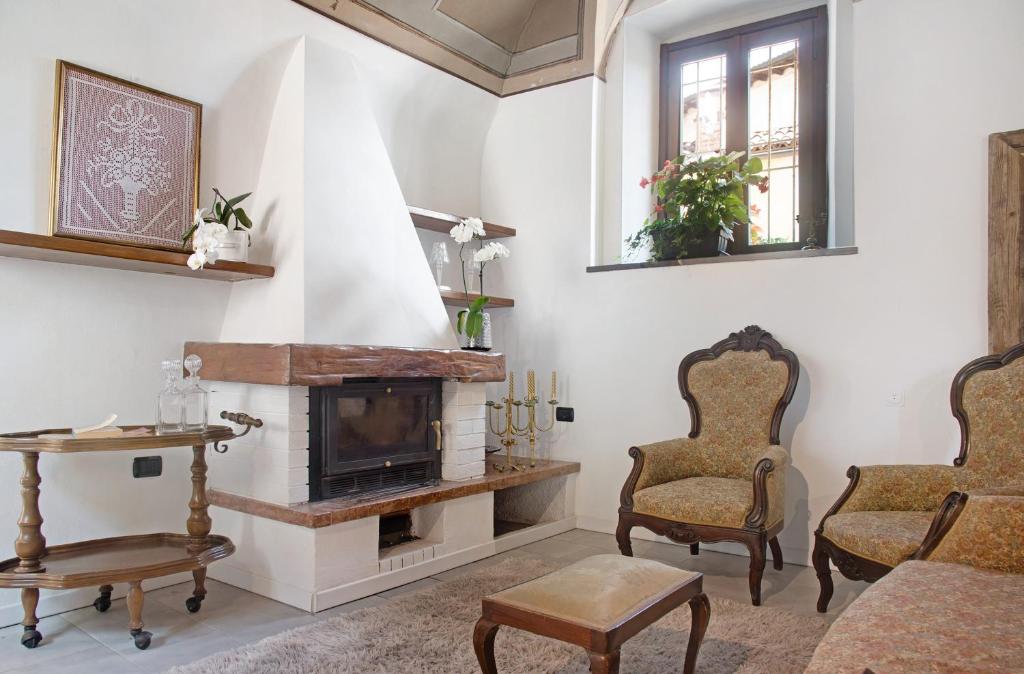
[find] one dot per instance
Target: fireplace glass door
(374, 435)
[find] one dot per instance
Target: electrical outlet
(565, 414)
(147, 466)
(895, 399)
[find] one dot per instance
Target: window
(759, 89)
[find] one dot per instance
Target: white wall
(930, 81)
(77, 343)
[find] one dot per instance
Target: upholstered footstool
(598, 603)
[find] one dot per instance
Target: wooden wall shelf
(27, 246)
(443, 222)
(457, 298)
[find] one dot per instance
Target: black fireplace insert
(373, 435)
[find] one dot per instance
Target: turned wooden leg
(695, 548)
(483, 644)
(773, 543)
(700, 616)
(622, 537)
(604, 663)
(758, 551)
(30, 545)
(199, 522)
(824, 572)
(30, 637)
(135, 624)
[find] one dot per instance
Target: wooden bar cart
(130, 559)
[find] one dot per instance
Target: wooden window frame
(810, 27)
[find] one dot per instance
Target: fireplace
(373, 435)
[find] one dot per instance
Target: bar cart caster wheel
(142, 639)
(102, 604)
(193, 604)
(30, 638)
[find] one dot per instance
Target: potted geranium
(698, 203)
(471, 320)
(220, 233)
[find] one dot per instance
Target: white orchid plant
(211, 226)
(471, 319)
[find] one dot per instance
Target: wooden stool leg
(604, 663)
(695, 548)
(135, 624)
(31, 637)
(483, 644)
(700, 612)
(773, 543)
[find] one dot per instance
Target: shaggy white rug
(432, 631)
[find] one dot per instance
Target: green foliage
(223, 211)
(471, 321)
(695, 200)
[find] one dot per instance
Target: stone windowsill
(748, 257)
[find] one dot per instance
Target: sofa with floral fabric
(957, 607)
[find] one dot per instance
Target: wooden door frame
(1005, 240)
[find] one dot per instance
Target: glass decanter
(170, 407)
(195, 396)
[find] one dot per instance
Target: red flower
(762, 184)
(644, 182)
(667, 164)
(659, 208)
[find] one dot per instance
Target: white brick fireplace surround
(318, 555)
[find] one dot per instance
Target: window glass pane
(774, 137)
(702, 107)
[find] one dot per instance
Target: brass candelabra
(513, 427)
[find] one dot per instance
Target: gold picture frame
(118, 142)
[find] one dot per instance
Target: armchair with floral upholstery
(727, 480)
(886, 512)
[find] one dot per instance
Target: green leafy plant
(696, 200)
(223, 212)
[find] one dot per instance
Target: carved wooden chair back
(737, 392)
(988, 400)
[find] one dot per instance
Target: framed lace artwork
(125, 161)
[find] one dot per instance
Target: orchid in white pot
(220, 233)
(471, 319)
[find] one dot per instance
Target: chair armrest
(769, 488)
(979, 528)
(657, 463)
(897, 488)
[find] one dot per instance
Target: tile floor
(89, 642)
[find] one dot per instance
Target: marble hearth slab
(330, 364)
